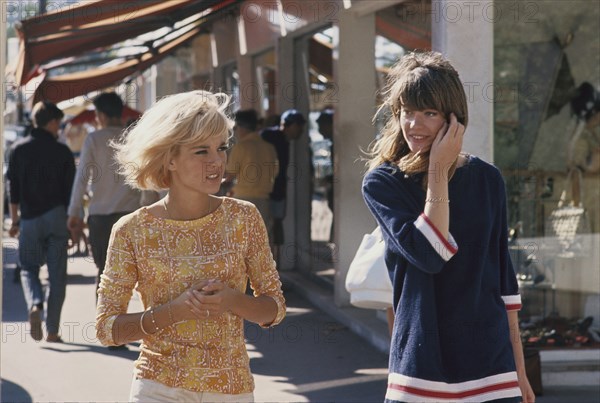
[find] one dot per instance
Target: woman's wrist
(143, 326)
(172, 313)
(437, 200)
(438, 171)
(437, 192)
(232, 299)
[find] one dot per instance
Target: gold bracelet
(156, 328)
(142, 324)
(437, 200)
(170, 313)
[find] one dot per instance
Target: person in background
(585, 105)
(40, 174)
(252, 165)
(270, 121)
(189, 256)
(443, 218)
(291, 127)
(325, 123)
(110, 197)
(584, 151)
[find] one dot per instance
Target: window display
(546, 97)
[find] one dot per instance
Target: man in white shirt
(110, 197)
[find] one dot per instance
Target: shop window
(546, 96)
(322, 103)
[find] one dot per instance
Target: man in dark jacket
(290, 129)
(40, 174)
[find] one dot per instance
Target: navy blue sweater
(451, 296)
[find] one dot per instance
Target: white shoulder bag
(368, 281)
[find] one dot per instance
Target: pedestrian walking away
(40, 174)
(111, 198)
(189, 256)
(443, 217)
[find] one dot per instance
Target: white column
(463, 31)
(2, 107)
(293, 93)
(166, 78)
(355, 76)
(249, 96)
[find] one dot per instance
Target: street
(308, 357)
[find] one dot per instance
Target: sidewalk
(310, 357)
(315, 355)
(567, 376)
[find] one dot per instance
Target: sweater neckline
(215, 214)
(470, 158)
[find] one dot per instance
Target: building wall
(353, 130)
(463, 31)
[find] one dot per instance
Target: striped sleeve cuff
(512, 302)
(446, 248)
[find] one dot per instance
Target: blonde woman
(189, 256)
(443, 218)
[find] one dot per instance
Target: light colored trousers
(145, 390)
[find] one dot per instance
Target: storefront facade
(525, 65)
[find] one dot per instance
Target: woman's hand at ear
(447, 145)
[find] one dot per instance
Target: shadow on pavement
(566, 394)
(14, 392)
(79, 279)
(323, 359)
(131, 353)
(14, 308)
(10, 251)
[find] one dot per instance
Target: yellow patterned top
(162, 258)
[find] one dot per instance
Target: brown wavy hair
(420, 80)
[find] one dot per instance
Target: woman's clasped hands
(204, 299)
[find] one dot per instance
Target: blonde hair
(176, 120)
(420, 81)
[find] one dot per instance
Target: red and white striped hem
(407, 389)
(446, 248)
(512, 302)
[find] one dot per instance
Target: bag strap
(377, 233)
